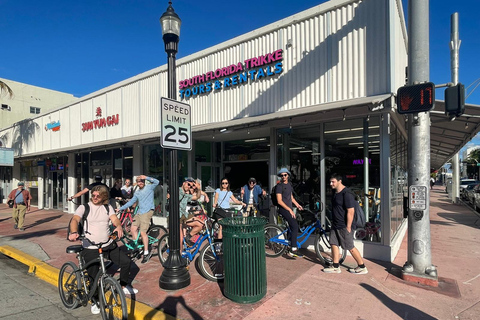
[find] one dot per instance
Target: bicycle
(75, 288)
(126, 218)
(276, 240)
(135, 247)
(210, 261)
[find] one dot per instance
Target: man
(98, 182)
(341, 233)
(250, 193)
(21, 203)
(127, 189)
(285, 199)
(98, 231)
(146, 207)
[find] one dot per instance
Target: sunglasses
(95, 196)
(224, 182)
(284, 175)
(142, 181)
(252, 182)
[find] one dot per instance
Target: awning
(448, 137)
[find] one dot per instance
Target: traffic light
(416, 98)
(455, 100)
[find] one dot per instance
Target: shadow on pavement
(169, 306)
(403, 310)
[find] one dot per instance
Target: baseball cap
(284, 170)
(189, 179)
(98, 177)
(20, 183)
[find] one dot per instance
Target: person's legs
(15, 217)
(21, 215)
(292, 222)
(123, 261)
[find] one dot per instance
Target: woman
(223, 195)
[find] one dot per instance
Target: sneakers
(21, 229)
(293, 252)
(129, 290)
(332, 269)
(188, 240)
(358, 270)
(15, 226)
(95, 309)
(145, 258)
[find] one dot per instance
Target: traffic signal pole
(454, 53)
(419, 266)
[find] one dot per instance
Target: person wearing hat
(98, 182)
(250, 193)
(285, 199)
(21, 203)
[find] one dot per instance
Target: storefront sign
(100, 122)
(361, 161)
(54, 126)
(251, 70)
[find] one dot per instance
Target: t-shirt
(286, 190)
(340, 202)
(184, 198)
(127, 192)
(223, 200)
(97, 224)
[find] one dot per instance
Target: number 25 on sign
(176, 126)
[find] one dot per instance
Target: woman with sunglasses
(223, 195)
(285, 199)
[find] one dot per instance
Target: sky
(80, 47)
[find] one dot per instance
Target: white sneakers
(129, 290)
(95, 309)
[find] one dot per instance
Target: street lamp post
(175, 274)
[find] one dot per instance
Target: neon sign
(252, 69)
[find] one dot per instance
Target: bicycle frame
(307, 232)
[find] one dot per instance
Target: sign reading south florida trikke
(252, 69)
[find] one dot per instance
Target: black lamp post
(175, 274)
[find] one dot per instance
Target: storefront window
(399, 178)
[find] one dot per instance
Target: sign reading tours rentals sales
(176, 129)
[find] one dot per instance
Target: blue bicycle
(210, 261)
(276, 238)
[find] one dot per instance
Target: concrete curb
(49, 274)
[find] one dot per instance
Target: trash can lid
(243, 221)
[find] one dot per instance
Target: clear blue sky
(83, 46)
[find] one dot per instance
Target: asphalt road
(22, 296)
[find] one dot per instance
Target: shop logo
(54, 126)
(100, 122)
(361, 161)
(250, 70)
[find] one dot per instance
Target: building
(313, 92)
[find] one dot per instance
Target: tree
(5, 89)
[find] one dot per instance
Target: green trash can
(244, 259)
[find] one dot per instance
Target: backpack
(359, 216)
(81, 225)
(273, 196)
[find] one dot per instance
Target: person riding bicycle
(194, 220)
(187, 192)
(146, 207)
(285, 199)
(98, 182)
(97, 230)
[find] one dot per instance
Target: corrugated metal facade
(336, 51)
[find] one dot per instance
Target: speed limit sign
(176, 129)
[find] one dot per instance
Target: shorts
(184, 219)
(142, 221)
(342, 238)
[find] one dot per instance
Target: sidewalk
(298, 288)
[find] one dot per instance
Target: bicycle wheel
(323, 249)
(127, 227)
(154, 233)
(68, 285)
(273, 233)
(113, 304)
(163, 249)
(211, 265)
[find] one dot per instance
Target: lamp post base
(175, 275)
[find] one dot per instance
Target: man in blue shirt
(250, 193)
(146, 207)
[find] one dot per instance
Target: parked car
(465, 186)
(473, 193)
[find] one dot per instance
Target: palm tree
(5, 89)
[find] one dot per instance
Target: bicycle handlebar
(113, 236)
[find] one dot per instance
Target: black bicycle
(75, 287)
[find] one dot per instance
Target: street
(26, 297)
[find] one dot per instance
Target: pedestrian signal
(416, 98)
(455, 100)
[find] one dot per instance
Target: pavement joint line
(49, 274)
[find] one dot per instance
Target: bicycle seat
(74, 249)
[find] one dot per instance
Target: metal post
(419, 264)
(175, 274)
(454, 58)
